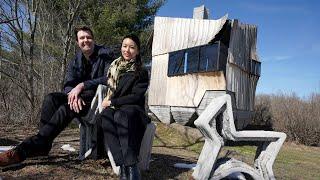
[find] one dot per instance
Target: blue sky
(288, 38)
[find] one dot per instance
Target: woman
(123, 119)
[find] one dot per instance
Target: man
(85, 72)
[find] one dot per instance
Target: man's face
(85, 42)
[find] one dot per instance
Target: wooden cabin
(194, 60)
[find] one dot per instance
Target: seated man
(84, 73)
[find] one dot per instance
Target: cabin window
(193, 60)
(176, 63)
(255, 68)
(208, 58)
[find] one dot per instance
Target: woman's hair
(136, 40)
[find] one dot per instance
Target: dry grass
(170, 146)
(298, 118)
(293, 162)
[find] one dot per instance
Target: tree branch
(7, 21)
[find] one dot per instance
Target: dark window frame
(255, 67)
(218, 59)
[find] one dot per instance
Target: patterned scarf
(117, 68)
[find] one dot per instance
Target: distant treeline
(298, 118)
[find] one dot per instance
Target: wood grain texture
(146, 147)
(266, 154)
(158, 81)
(242, 50)
(182, 115)
(162, 113)
(188, 90)
(244, 86)
(172, 34)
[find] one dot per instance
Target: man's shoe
(10, 157)
(133, 172)
(123, 173)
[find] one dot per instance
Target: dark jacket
(129, 98)
(77, 70)
(131, 91)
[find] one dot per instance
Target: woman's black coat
(129, 97)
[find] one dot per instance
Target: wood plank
(182, 115)
(172, 34)
(243, 85)
(188, 90)
(162, 113)
(158, 81)
(242, 47)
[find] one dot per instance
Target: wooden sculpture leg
(206, 123)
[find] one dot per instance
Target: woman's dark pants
(120, 134)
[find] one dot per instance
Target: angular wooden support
(146, 147)
(206, 123)
(228, 167)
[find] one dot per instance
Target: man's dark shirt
(91, 72)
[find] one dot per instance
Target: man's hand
(74, 93)
(73, 97)
(105, 103)
(76, 106)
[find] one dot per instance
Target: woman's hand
(105, 103)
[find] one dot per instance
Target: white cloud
(280, 58)
(276, 58)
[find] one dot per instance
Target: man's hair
(82, 28)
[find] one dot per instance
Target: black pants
(120, 134)
(55, 116)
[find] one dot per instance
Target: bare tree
(67, 35)
(21, 18)
(37, 38)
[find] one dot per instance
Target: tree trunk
(73, 10)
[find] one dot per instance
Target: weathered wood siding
(172, 34)
(182, 115)
(188, 90)
(185, 90)
(241, 53)
(162, 113)
(158, 81)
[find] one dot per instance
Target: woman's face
(129, 49)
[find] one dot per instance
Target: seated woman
(123, 119)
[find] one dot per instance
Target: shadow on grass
(8, 142)
(162, 167)
(69, 163)
(56, 160)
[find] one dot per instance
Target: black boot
(133, 172)
(123, 173)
